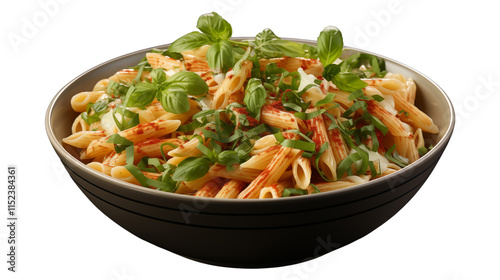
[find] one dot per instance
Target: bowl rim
(62, 152)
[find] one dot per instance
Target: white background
(449, 231)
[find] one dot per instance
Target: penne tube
(232, 83)
(261, 160)
(275, 190)
(337, 142)
(128, 75)
(159, 61)
(418, 137)
(121, 173)
(411, 91)
(175, 160)
(386, 172)
(82, 139)
(101, 85)
(326, 162)
(139, 133)
(199, 183)
(302, 172)
(183, 189)
(419, 118)
(291, 64)
(246, 175)
(272, 173)
(96, 166)
(341, 98)
(388, 86)
(395, 126)
(187, 149)
(406, 147)
(151, 148)
(79, 125)
(231, 189)
(263, 144)
(80, 100)
(345, 182)
(210, 189)
(277, 118)
(195, 64)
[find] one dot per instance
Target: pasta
(250, 119)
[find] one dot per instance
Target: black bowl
(250, 233)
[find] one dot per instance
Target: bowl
(250, 233)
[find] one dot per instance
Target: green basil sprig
(255, 97)
(330, 45)
(220, 56)
(172, 92)
(268, 44)
(215, 31)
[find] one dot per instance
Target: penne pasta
(82, 139)
(231, 189)
(210, 189)
(271, 174)
(251, 119)
(275, 190)
(277, 118)
(135, 134)
(79, 101)
(302, 172)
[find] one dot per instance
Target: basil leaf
(190, 41)
(330, 71)
(422, 151)
(143, 95)
(308, 116)
(327, 100)
(174, 99)
(213, 25)
(120, 142)
(255, 96)
(349, 82)
(393, 156)
(244, 57)
(278, 48)
(270, 45)
(377, 98)
(299, 144)
(350, 63)
(309, 51)
(330, 45)
(265, 36)
(353, 62)
(228, 158)
(116, 89)
(158, 76)
(220, 56)
(171, 54)
(291, 191)
(191, 82)
(316, 190)
(357, 94)
(191, 169)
